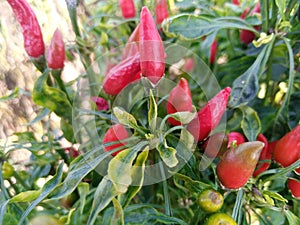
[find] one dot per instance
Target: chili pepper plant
(186, 112)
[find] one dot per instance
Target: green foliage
(157, 178)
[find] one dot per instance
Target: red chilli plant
(161, 11)
(236, 2)
(237, 164)
(56, 52)
(209, 116)
(247, 36)
(122, 74)
(127, 8)
(33, 38)
(294, 187)
(287, 149)
(235, 138)
(101, 103)
(180, 100)
(213, 52)
(265, 155)
(151, 48)
(115, 133)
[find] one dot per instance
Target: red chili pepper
(247, 36)
(151, 48)
(161, 11)
(101, 103)
(294, 186)
(236, 2)
(115, 133)
(56, 52)
(73, 152)
(213, 52)
(121, 75)
(215, 145)
(132, 45)
(238, 163)
(180, 100)
(209, 116)
(287, 149)
(189, 65)
(33, 38)
(235, 138)
(127, 8)
(266, 154)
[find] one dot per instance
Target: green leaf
(152, 114)
(3, 206)
(10, 219)
(192, 185)
(83, 190)
(283, 112)
(51, 98)
(26, 196)
(120, 167)
(118, 216)
(167, 154)
(137, 174)
(187, 139)
(192, 27)
(45, 112)
(251, 123)
(184, 117)
(145, 214)
(16, 93)
(104, 194)
(294, 109)
(292, 218)
(274, 195)
(245, 87)
(125, 118)
(281, 4)
(46, 190)
(67, 130)
(79, 168)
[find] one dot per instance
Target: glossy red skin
(294, 186)
(213, 52)
(247, 36)
(236, 137)
(209, 116)
(127, 8)
(132, 45)
(56, 53)
(33, 38)
(235, 2)
(266, 154)
(180, 100)
(237, 164)
(73, 152)
(151, 48)
(116, 132)
(101, 103)
(161, 11)
(189, 65)
(287, 149)
(121, 75)
(215, 145)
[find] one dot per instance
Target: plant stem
(168, 208)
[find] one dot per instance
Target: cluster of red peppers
(33, 38)
(252, 160)
(143, 56)
(161, 10)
